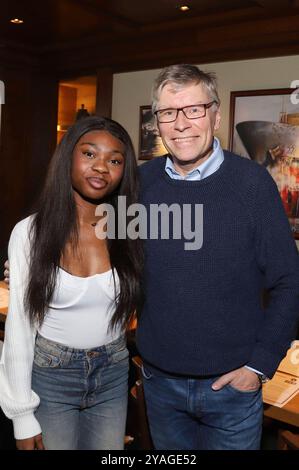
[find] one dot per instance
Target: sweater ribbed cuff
(26, 426)
(265, 361)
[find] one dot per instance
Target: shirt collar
(201, 171)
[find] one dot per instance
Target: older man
(205, 338)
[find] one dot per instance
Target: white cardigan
(17, 399)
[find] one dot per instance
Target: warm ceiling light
(184, 8)
(16, 21)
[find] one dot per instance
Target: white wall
(130, 91)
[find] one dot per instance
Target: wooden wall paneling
(197, 40)
(43, 134)
(16, 122)
(67, 105)
(28, 136)
(104, 92)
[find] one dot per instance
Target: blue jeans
(186, 414)
(83, 395)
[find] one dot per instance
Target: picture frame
(150, 142)
(264, 126)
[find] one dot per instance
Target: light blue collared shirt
(207, 168)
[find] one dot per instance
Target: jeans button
(92, 354)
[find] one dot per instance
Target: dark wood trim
(236, 35)
(16, 57)
(272, 3)
(103, 13)
(220, 35)
(276, 36)
(28, 138)
(104, 92)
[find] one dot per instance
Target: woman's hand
(6, 272)
(32, 443)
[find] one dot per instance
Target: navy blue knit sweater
(203, 312)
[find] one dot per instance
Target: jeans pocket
(243, 392)
(120, 355)
(45, 359)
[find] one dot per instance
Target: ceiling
(134, 34)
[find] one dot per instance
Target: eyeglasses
(190, 112)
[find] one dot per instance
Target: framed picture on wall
(264, 126)
(150, 143)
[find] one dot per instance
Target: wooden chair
(138, 421)
(287, 440)
(137, 362)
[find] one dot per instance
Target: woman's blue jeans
(186, 414)
(83, 395)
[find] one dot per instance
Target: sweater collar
(203, 170)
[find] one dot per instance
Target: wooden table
(287, 414)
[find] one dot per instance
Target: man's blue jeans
(83, 395)
(186, 414)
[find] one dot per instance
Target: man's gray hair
(181, 75)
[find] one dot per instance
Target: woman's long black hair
(55, 223)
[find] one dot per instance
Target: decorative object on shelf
(82, 112)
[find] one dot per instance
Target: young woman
(64, 368)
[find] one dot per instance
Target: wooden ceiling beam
(186, 54)
(231, 19)
(102, 13)
(209, 20)
(274, 3)
(206, 40)
(16, 56)
(241, 40)
(274, 27)
(195, 57)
